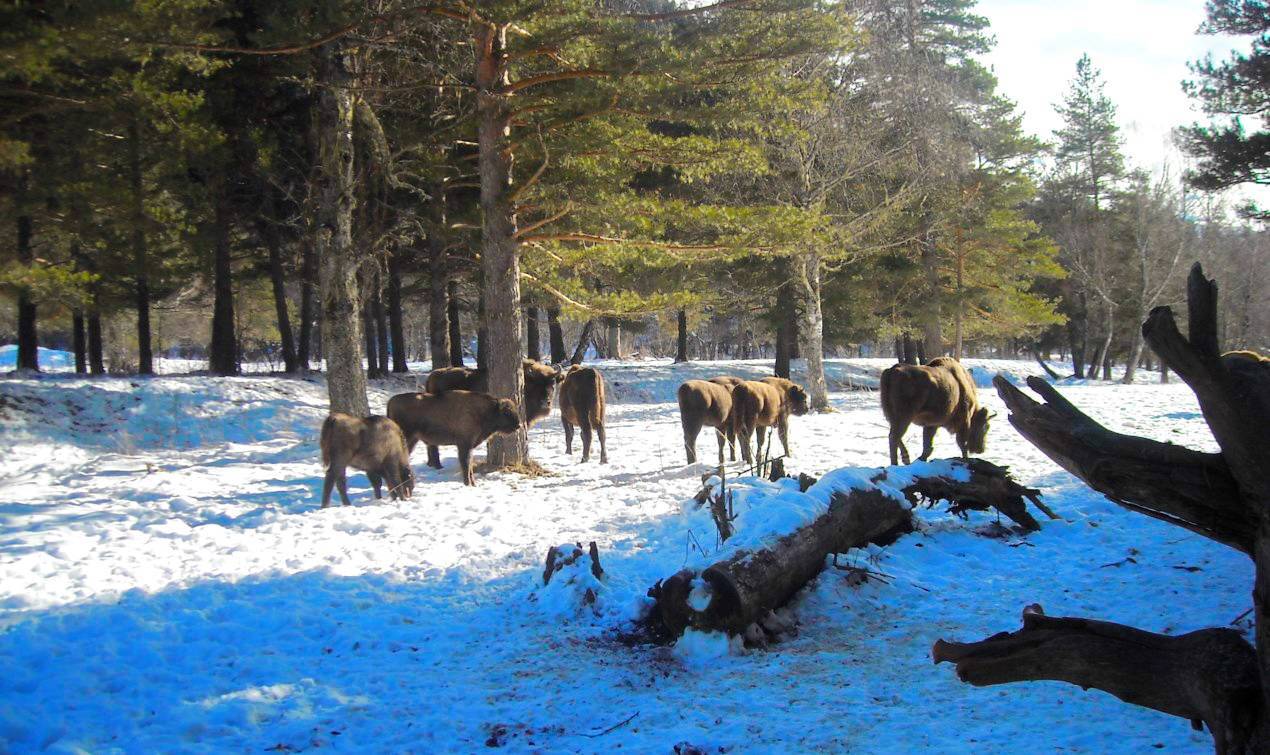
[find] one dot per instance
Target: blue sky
(1141, 46)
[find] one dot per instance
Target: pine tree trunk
(223, 350)
(396, 326)
(499, 247)
(681, 340)
(811, 334)
(1135, 354)
(556, 332)
(81, 346)
(140, 263)
(377, 310)
(785, 335)
(368, 332)
(533, 345)
(277, 279)
(482, 333)
(614, 338)
(452, 314)
(308, 277)
(438, 324)
(28, 339)
(338, 263)
(579, 352)
(932, 338)
(96, 364)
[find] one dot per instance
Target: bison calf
(463, 419)
(760, 404)
(707, 403)
(582, 404)
(937, 394)
(540, 387)
(374, 445)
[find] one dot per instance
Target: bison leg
(691, 430)
(896, 440)
(434, 457)
(722, 439)
(782, 429)
(341, 482)
(327, 484)
(928, 442)
(731, 443)
(585, 429)
(568, 436)
(604, 453)
(760, 454)
(376, 482)
(465, 464)
(743, 440)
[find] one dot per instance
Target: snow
(168, 583)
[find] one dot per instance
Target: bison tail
(598, 418)
(328, 430)
(887, 387)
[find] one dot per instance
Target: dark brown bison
(706, 403)
(374, 445)
(760, 404)
(937, 394)
(464, 419)
(540, 387)
(582, 404)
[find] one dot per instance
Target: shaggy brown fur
(706, 403)
(540, 388)
(582, 404)
(937, 394)
(374, 445)
(464, 419)
(760, 404)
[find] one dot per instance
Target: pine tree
(1089, 138)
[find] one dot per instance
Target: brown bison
(760, 404)
(464, 419)
(582, 404)
(937, 394)
(707, 403)
(374, 445)
(540, 387)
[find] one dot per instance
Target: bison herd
(455, 409)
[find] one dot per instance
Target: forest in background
(219, 179)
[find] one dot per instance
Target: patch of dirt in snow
(164, 565)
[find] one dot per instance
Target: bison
(760, 404)
(464, 419)
(374, 445)
(937, 394)
(707, 403)
(582, 404)
(540, 387)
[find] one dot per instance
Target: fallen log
(741, 591)
(1207, 676)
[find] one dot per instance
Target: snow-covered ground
(168, 583)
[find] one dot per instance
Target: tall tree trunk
(533, 345)
(223, 350)
(81, 346)
(396, 327)
(28, 339)
(456, 333)
(96, 364)
(1135, 353)
(308, 279)
(786, 331)
(811, 334)
(579, 352)
(277, 278)
(499, 247)
(482, 333)
(556, 332)
(614, 338)
(368, 332)
(337, 270)
(381, 325)
(438, 324)
(140, 263)
(1077, 335)
(961, 305)
(681, 340)
(932, 338)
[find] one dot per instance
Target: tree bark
(456, 334)
(482, 333)
(438, 325)
(786, 336)
(811, 334)
(223, 350)
(308, 280)
(499, 246)
(338, 262)
(381, 323)
(81, 346)
(96, 364)
(277, 279)
(140, 263)
(614, 339)
(533, 345)
(368, 332)
(396, 327)
(28, 338)
(932, 338)
(579, 351)
(681, 339)
(556, 335)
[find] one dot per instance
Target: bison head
(540, 387)
(797, 400)
(406, 488)
(979, 430)
(506, 417)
